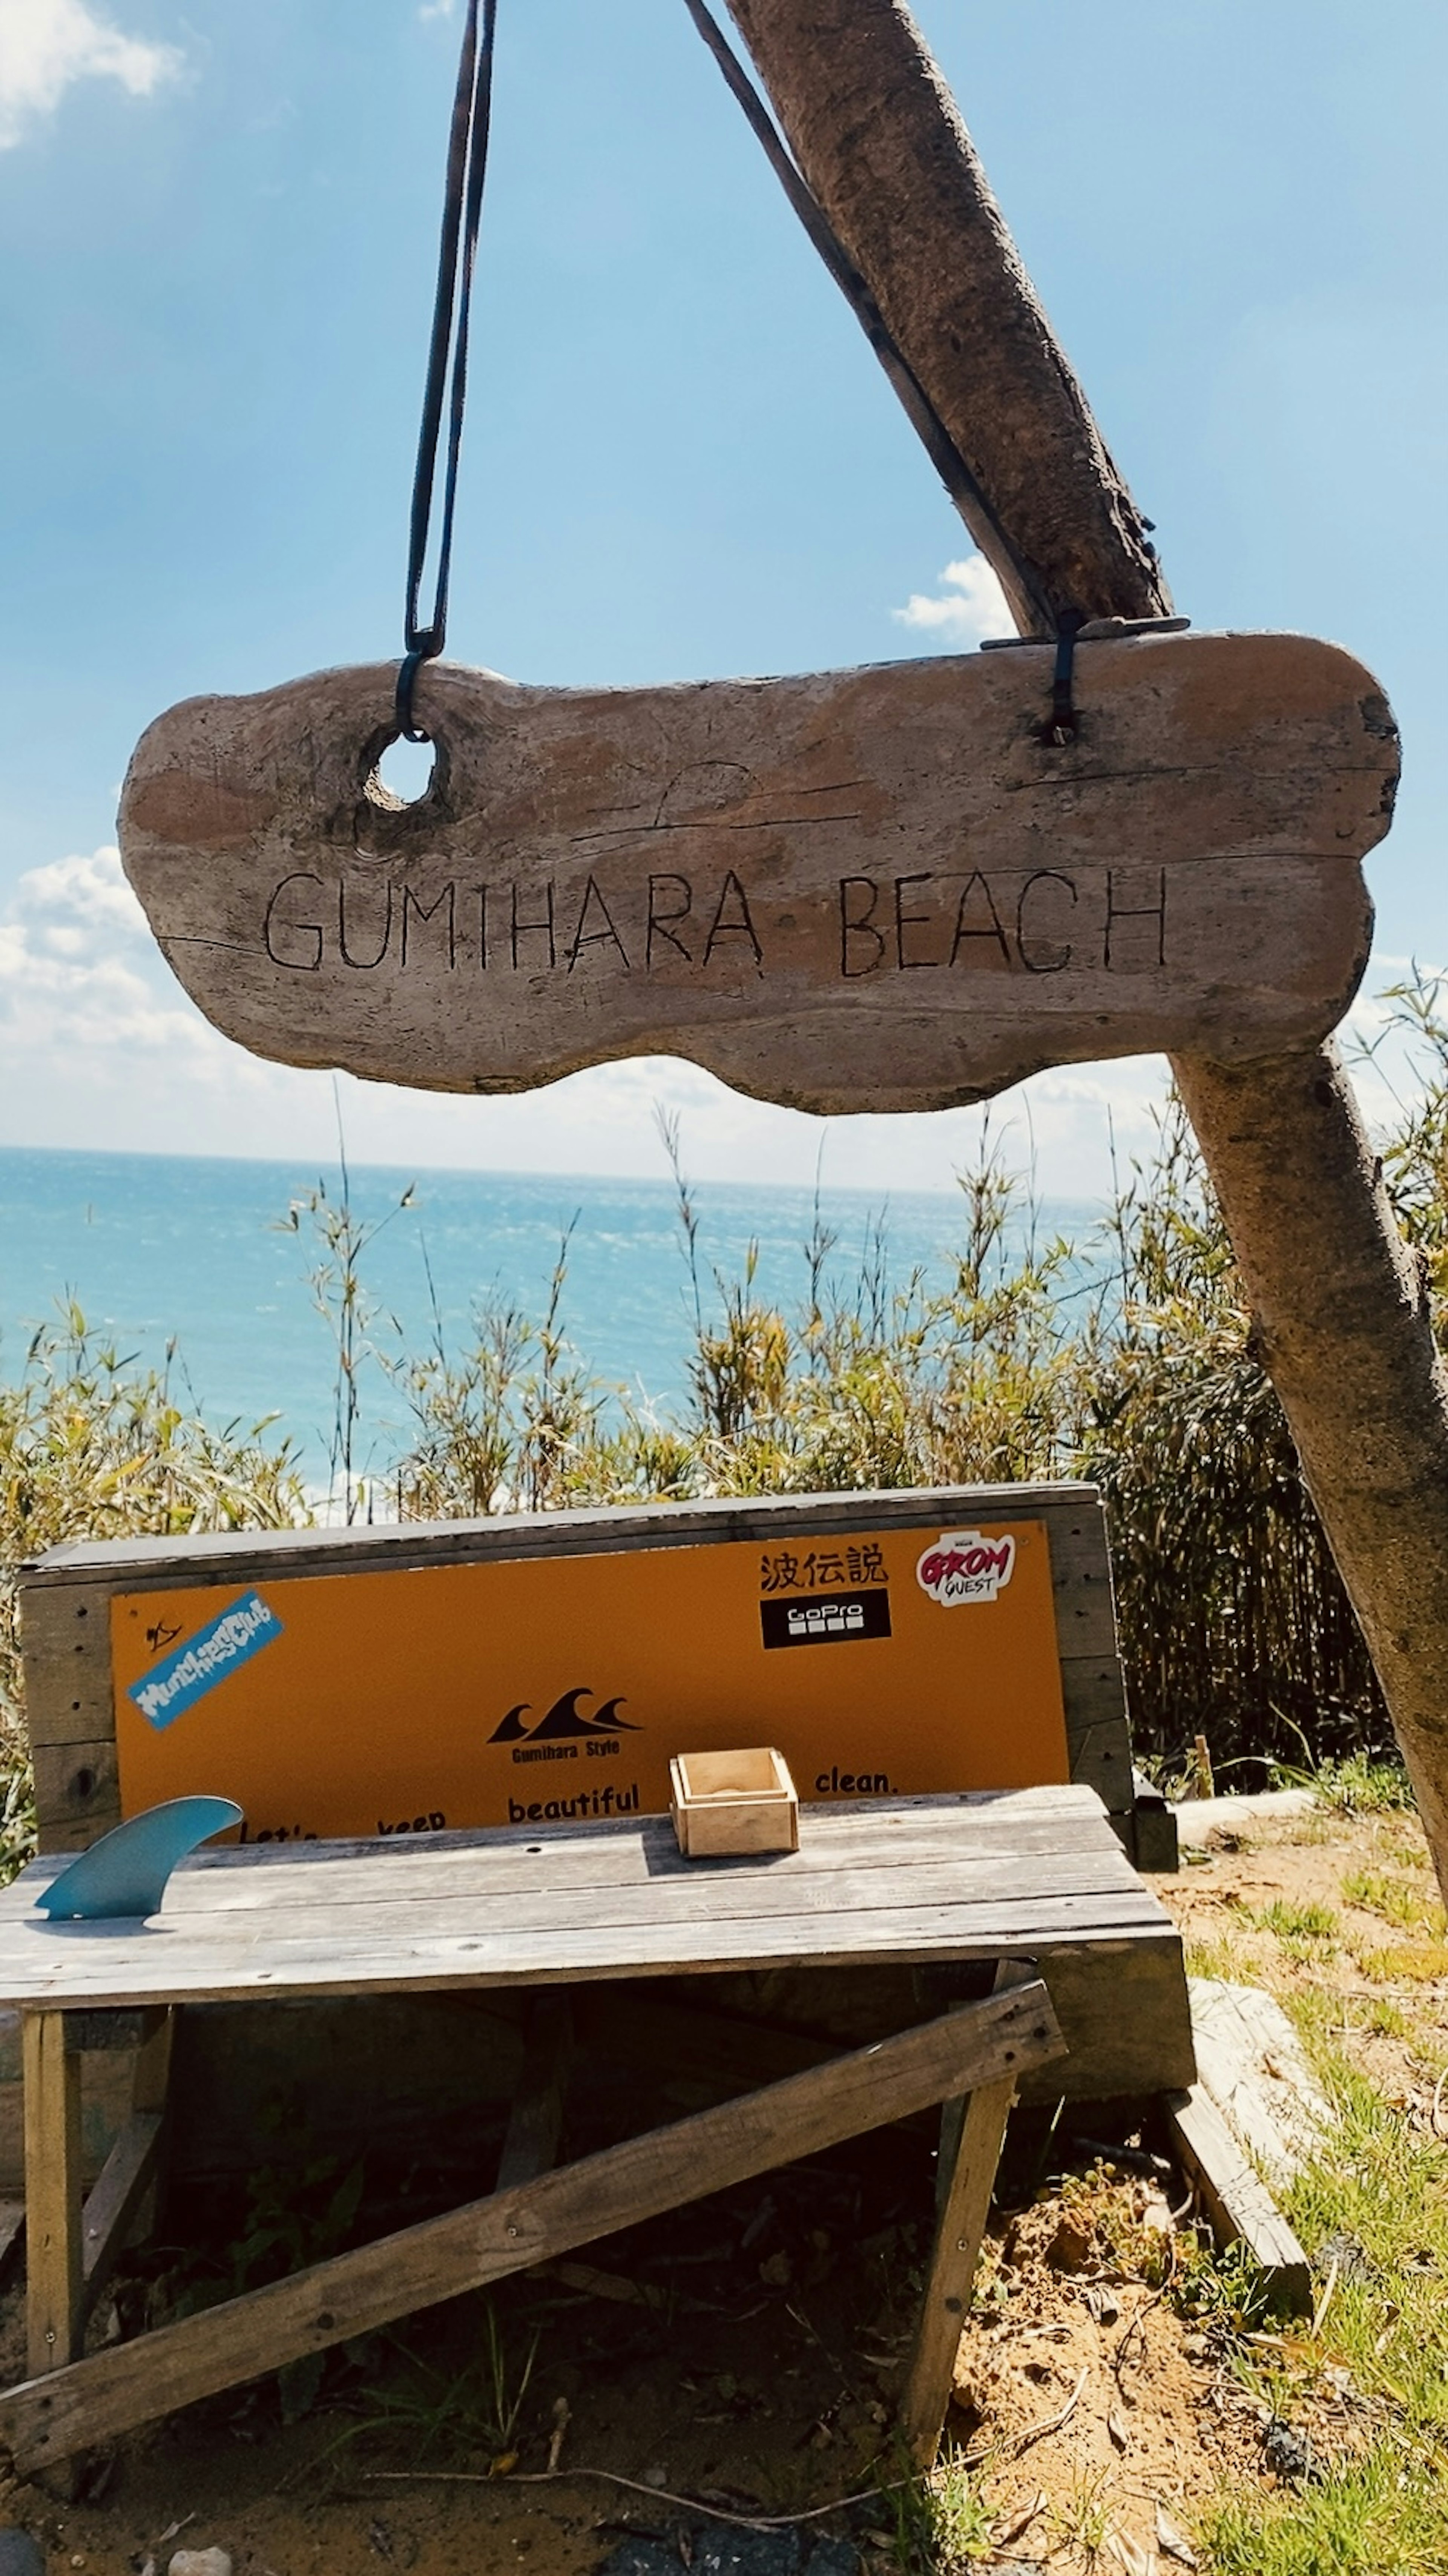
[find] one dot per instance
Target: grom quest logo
(964, 1565)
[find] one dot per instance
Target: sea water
(194, 1264)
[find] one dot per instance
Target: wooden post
(1344, 1327)
(53, 2242)
(972, 2133)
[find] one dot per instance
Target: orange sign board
(546, 1689)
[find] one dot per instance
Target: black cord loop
(1061, 725)
(447, 364)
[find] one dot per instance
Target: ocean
(192, 1262)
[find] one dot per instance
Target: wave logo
(965, 1565)
(563, 1726)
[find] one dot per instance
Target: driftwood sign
(874, 889)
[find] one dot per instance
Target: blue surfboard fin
(124, 1875)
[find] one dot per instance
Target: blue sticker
(190, 1671)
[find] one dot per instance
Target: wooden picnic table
(1014, 1878)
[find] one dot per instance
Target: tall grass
(93, 1447)
(1128, 1359)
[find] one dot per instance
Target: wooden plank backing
(66, 1595)
(859, 890)
(93, 2401)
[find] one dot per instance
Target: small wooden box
(733, 1802)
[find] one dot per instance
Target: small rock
(1351, 2256)
(200, 2562)
(19, 2554)
(833, 2558)
(721, 2551)
(642, 2558)
(1289, 2453)
(1069, 2246)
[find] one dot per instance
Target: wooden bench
(400, 2063)
(1014, 1882)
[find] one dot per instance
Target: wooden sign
(874, 889)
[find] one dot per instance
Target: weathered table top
(909, 1879)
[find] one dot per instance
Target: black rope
(447, 364)
(1061, 725)
(960, 484)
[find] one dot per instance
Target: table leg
(52, 2192)
(964, 2204)
(535, 2122)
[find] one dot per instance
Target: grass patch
(1378, 2518)
(1374, 2201)
(1397, 1900)
(1358, 1784)
(1303, 1930)
(1418, 1963)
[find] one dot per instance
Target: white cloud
(969, 606)
(74, 993)
(46, 45)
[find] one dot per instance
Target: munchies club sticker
(236, 1634)
(964, 1565)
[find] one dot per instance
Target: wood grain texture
(880, 141)
(1252, 2063)
(123, 2183)
(1239, 2204)
(53, 2252)
(93, 2401)
(1339, 1311)
(500, 1907)
(871, 889)
(964, 2210)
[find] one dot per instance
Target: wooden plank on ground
(1252, 2063)
(93, 2401)
(1239, 2204)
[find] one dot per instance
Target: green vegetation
(91, 1447)
(1373, 2211)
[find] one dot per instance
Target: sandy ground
(758, 2380)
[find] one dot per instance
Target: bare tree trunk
(1344, 1327)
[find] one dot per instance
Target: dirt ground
(751, 2373)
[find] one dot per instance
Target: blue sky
(681, 459)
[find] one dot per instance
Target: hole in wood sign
(873, 889)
